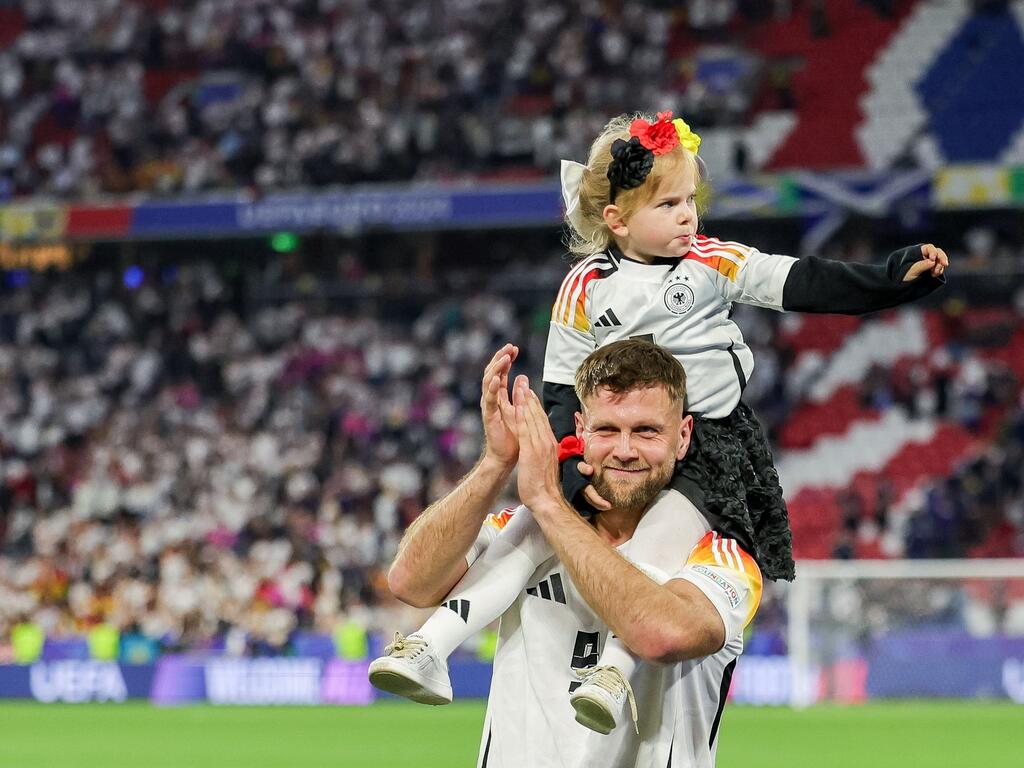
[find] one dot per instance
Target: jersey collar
(618, 257)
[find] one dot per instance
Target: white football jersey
(549, 632)
(681, 304)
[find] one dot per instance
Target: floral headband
(632, 160)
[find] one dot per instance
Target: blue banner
(76, 681)
(488, 205)
(906, 665)
(814, 196)
(400, 208)
(937, 664)
(184, 219)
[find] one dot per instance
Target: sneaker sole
(593, 715)
(400, 685)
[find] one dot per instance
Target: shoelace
(613, 681)
(405, 647)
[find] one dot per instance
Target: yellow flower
(687, 138)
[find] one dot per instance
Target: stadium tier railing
(827, 199)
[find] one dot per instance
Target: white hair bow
(572, 175)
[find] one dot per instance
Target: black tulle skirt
(728, 473)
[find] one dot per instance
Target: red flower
(569, 447)
(659, 137)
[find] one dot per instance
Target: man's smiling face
(633, 440)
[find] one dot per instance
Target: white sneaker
(599, 699)
(411, 668)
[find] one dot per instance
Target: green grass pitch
(901, 735)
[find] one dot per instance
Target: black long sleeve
(561, 405)
(823, 285)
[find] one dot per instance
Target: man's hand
(539, 485)
(432, 554)
(933, 261)
(501, 442)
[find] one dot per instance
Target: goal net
(850, 631)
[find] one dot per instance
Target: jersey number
(584, 654)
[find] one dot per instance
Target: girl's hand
(596, 500)
(933, 261)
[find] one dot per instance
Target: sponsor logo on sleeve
(729, 589)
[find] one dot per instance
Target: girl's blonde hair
(589, 234)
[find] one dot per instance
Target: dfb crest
(678, 298)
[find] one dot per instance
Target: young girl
(646, 272)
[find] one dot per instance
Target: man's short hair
(623, 366)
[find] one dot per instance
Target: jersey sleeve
(742, 273)
(570, 335)
(823, 285)
(561, 405)
(728, 576)
(493, 525)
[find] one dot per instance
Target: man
(687, 628)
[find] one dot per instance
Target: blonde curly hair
(589, 233)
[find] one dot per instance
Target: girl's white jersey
(680, 304)
(549, 632)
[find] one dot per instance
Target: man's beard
(636, 497)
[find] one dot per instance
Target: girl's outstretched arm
(826, 286)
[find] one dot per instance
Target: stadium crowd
(187, 459)
(184, 465)
(979, 511)
(122, 96)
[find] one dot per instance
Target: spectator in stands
(109, 98)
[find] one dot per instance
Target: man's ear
(579, 425)
(685, 434)
(615, 220)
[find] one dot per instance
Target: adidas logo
(461, 607)
(549, 589)
(607, 320)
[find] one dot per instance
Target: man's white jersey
(549, 632)
(680, 304)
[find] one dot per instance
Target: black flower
(631, 162)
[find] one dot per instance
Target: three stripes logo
(549, 589)
(607, 320)
(461, 607)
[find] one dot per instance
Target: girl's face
(665, 225)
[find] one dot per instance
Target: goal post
(870, 629)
